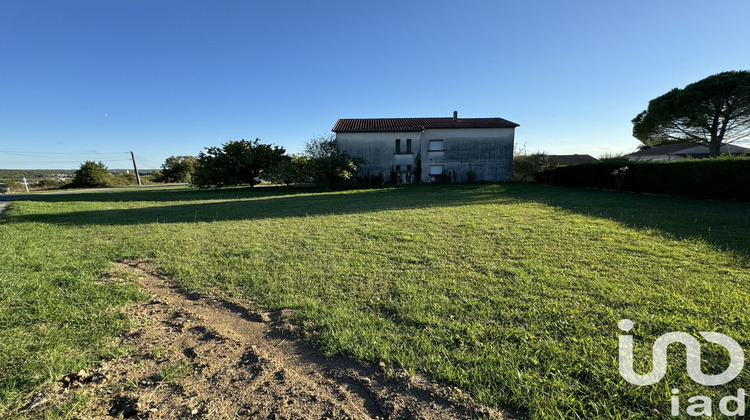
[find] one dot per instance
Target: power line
(63, 153)
(149, 161)
(58, 161)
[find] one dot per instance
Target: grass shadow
(722, 223)
(725, 224)
(193, 206)
(158, 194)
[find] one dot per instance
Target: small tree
(178, 169)
(619, 175)
(326, 167)
(236, 162)
(91, 174)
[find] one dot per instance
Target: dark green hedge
(720, 178)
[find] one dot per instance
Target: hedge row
(720, 178)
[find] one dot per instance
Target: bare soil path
(203, 357)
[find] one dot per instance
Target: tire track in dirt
(203, 357)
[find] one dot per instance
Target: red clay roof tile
(367, 125)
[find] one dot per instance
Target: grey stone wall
(487, 153)
(488, 159)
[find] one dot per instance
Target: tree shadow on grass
(724, 224)
(253, 204)
(158, 194)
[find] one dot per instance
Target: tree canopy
(236, 162)
(178, 169)
(91, 174)
(712, 111)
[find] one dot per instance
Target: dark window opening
(408, 168)
(398, 145)
(398, 168)
(408, 145)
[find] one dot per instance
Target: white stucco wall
(656, 158)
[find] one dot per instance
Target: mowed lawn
(510, 292)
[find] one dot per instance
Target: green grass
(511, 292)
(173, 372)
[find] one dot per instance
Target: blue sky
(93, 80)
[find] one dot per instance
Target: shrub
(12, 185)
(717, 178)
(615, 157)
(91, 174)
(48, 184)
(123, 179)
(525, 167)
(326, 167)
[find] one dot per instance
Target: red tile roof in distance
(374, 125)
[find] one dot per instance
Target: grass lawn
(511, 292)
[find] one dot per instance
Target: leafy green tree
(178, 169)
(236, 162)
(321, 146)
(712, 111)
(326, 167)
(91, 174)
(290, 170)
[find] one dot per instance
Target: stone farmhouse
(430, 149)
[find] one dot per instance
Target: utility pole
(135, 168)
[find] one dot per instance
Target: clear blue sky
(93, 80)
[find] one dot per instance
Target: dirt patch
(203, 357)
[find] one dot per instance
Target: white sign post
(25, 182)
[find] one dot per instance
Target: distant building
(428, 149)
(669, 152)
(564, 160)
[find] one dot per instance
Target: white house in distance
(680, 151)
(427, 149)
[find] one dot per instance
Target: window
(436, 145)
(436, 169)
(408, 145)
(398, 168)
(408, 168)
(398, 145)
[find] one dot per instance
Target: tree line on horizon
(244, 162)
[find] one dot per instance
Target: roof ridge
(417, 123)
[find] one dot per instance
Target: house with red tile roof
(430, 149)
